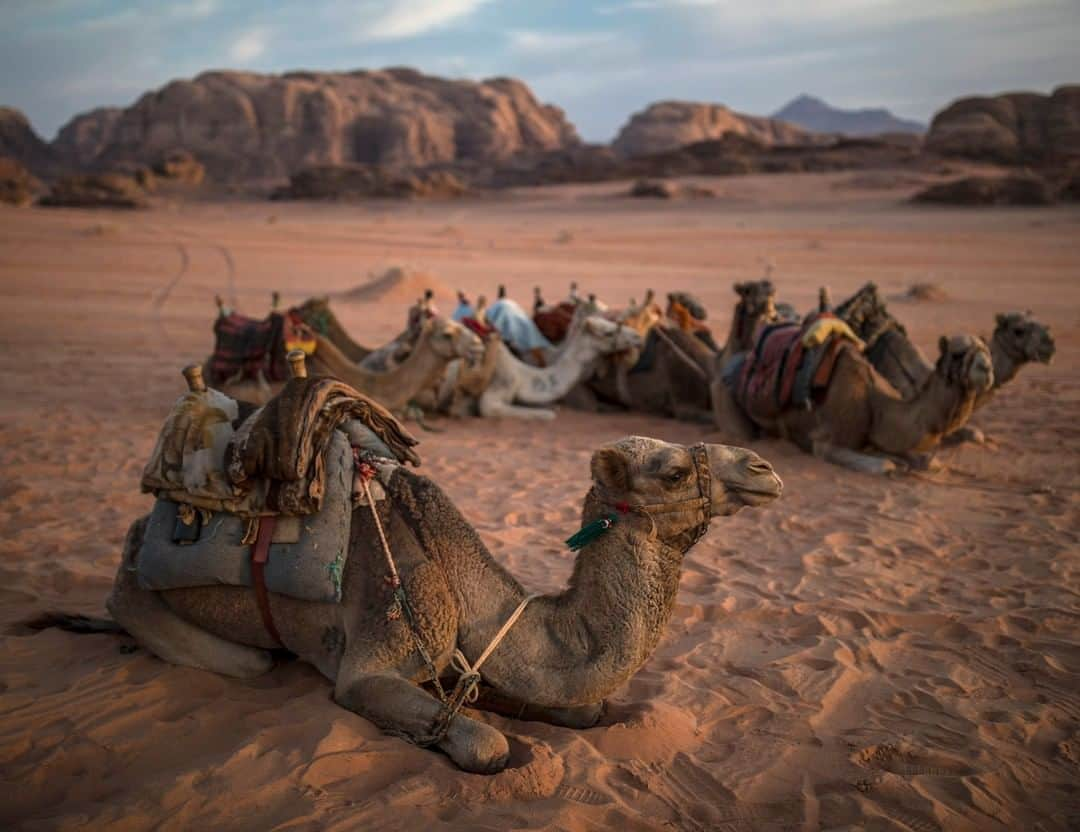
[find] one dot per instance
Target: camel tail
(73, 623)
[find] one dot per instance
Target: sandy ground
(898, 654)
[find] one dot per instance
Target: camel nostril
(759, 466)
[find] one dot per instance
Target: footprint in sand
(909, 763)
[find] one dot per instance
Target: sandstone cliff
(245, 126)
(18, 141)
(667, 125)
(1022, 127)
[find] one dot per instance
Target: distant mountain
(814, 114)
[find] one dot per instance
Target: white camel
(516, 383)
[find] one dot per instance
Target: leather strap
(260, 554)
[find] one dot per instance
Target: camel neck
(394, 388)
(1006, 365)
(917, 424)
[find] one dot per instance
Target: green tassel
(590, 532)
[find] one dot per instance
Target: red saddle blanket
(244, 347)
(779, 371)
(554, 321)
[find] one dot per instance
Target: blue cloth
(463, 311)
(515, 327)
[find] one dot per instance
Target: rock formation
(19, 142)
(1016, 128)
(667, 125)
(245, 126)
(363, 181)
(17, 186)
(812, 113)
(102, 190)
(1016, 189)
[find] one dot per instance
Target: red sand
(880, 654)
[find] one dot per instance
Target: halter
(699, 454)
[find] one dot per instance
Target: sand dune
(398, 285)
(879, 654)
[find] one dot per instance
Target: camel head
(965, 362)
(681, 488)
(609, 337)
(315, 312)
(866, 313)
(451, 340)
(757, 303)
(1023, 338)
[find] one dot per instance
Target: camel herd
(883, 406)
(420, 597)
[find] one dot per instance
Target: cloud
(530, 42)
(399, 19)
(249, 45)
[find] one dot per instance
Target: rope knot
(365, 471)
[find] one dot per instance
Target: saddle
(554, 321)
(245, 348)
(265, 502)
(788, 364)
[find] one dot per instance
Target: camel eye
(676, 476)
(1019, 332)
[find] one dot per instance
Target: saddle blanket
(787, 364)
(307, 556)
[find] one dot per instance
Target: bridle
(699, 454)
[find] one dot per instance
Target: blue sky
(600, 61)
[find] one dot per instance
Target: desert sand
(866, 653)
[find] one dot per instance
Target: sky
(600, 61)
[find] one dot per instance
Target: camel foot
(927, 463)
(855, 461)
(583, 716)
(968, 433)
(475, 746)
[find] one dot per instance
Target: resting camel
(563, 656)
(316, 313)
(440, 342)
(674, 374)
(861, 410)
(1018, 339)
(515, 381)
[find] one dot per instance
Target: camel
(564, 655)
(316, 313)
(440, 342)
(674, 375)
(515, 381)
(1018, 339)
(861, 409)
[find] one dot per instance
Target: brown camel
(440, 342)
(1018, 339)
(566, 653)
(861, 410)
(316, 313)
(674, 375)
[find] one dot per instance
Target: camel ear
(1000, 319)
(609, 469)
(943, 344)
(740, 288)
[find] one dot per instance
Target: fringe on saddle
(788, 364)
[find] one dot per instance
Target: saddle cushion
(310, 568)
(247, 347)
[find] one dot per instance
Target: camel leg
(580, 716)
(168, 636)
(728, 417)
(493, 407)
(854, 460)
(399, 707)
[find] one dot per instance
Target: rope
(686, 359)
(467, 687)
